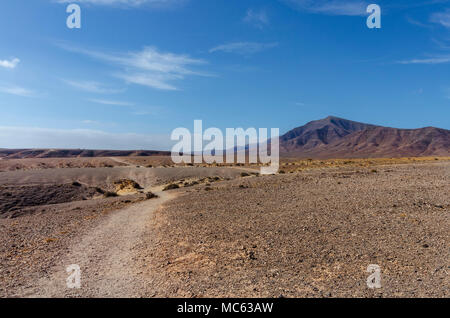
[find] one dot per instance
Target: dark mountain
(72, 153)
(335, 137)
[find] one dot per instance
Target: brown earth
(14, 198)
(75, 153)
(334, 137)
(310, 232)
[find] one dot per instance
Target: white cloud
(330, 7)
(158, 81)
(32, 137)
(90, 122)
(442, 18)
(110, 102)
(256, 18)
(9, 63)
(143, 113)
(148, 67)
(17, 90)
(244, 48)
(431, 60)
(92, 87)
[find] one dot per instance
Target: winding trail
(107, 255)
(120, 160)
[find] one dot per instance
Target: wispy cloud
(110, 102)
(431, 60)
(91, 87)
(17, 90)
(257, 18)
(143, 113)
(34, 137)
(9, 63)
(416, 22)
(244, 48)
(158, 81)
(90, 122)
(442, 18)
(148, 67)
(330, 7)
(130, 3)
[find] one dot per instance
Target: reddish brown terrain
(75, 153)
(335, 137)
(331, 137)
(310, 231)
(140, 226)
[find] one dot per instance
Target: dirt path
(107, 255)
(120, 160)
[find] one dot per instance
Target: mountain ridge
(330, 137)
(338, 137)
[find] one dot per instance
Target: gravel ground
(34, 243)
(310, 234)
(106, 256)
(305, 234)
(40, 231)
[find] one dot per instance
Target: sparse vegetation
(150, 195)
(110, 194)
(171, 186)
(100, 190)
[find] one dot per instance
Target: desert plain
(144, 227)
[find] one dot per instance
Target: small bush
(76, 184)
(150, 195)
(208, 189)
(171, 186)
(99, 190)
(282, 172)
(110, 194)
(244, 174)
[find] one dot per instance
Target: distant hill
(334, 137)
(73, 153)
(331, 137)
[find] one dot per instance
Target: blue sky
(137, 69)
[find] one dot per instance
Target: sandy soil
(108, 265)
(51, 163)
(309, 233)
(45, 212)
(32, 244)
